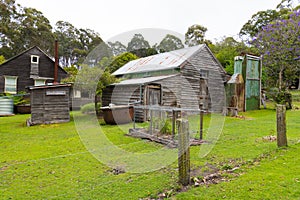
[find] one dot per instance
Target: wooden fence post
(281, 125)
(183, 151)
(201, 121)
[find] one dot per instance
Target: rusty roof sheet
(162, 61)
(141, 81)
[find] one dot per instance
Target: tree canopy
(227, 49)
(170, 43)
(117, 47)
(22, 28)
(195, 35)
(263, 18)
(279, 43)
(120, 61)
(137, 42)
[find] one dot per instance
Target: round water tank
(6, 106)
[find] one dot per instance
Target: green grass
(50, 162)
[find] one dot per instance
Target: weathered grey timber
(49, 104)
(183, 152)
(183, 78)
(281, 125)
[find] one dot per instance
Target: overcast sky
(113, 17)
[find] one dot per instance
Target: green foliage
(258, 20)
(21, 98)
(137, 42)
(278, 42)
(74, 44)
(280, 97)
(72, 73)
(117, 48)
(144, 52)
(263, 18)
(163, 125)
(166, 127)
(2, 59)
(227, 49)
(22, 28)
(120, 61)
(89, 108)
(195, 35)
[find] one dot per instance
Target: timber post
(281, 125)
(183, 152)
(201, 121)
(173, 123)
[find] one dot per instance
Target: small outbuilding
(49, 104)
(184, 78)
(250, 68)
(235, 95)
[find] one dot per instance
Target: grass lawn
(51, 162)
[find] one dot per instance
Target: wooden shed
(49, 104)
(183, 78)
(235, 92)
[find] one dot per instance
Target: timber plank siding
(20, 67)
(50, 104)
(199, 78)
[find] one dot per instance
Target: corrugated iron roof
(140, 81)
(162, 61)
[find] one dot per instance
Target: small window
(35, 59)
(38, 82)
(77, 94)
(10, 84)
(203, 73)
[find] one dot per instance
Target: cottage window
(77, 94)
(10, 84)
(38, 82)
(203, 73)
(35, 59)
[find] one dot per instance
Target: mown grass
(50, 162)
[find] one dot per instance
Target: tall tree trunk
(299, 83)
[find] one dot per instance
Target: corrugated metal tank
(6, 106)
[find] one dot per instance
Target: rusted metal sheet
(238, 65)
(252, 83)
(162, 61)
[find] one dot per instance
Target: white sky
(113, 17)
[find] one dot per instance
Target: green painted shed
(250, 67)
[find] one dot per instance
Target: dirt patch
(4, 168)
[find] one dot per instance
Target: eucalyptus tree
(170, 43)
(117, 47)
(195, 35)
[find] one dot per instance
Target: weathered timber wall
(20, 66)
(50, 105)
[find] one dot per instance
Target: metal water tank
(6, 106)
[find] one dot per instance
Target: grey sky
(113, 17)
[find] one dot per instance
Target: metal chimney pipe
(56, 62)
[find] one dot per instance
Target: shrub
(89, 108)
